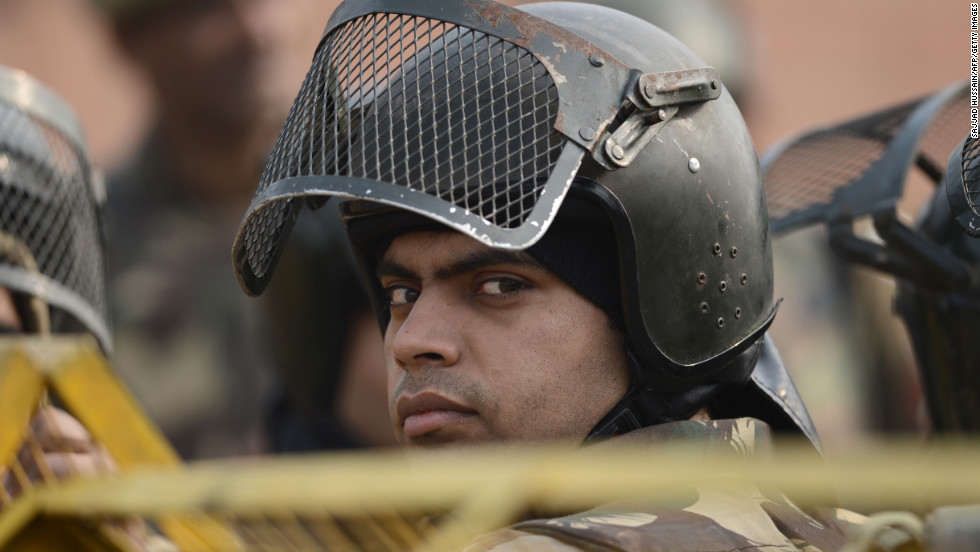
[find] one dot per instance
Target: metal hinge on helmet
(654, 99)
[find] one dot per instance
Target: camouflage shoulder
(739, 437)
(654, 529)
(512, 540)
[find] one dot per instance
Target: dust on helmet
(51, 227)
(496, 121)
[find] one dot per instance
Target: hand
(59, 448)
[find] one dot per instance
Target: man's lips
(426, 412)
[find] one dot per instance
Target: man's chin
(446, 437)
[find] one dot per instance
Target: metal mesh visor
(429, 116)
(944, 134)
(51, 243)
(963, 185)
(802, 179)
(971, 173)
(811, 170)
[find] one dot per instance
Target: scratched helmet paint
(494, 121)
(51, 230)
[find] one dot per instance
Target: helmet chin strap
(644, 406)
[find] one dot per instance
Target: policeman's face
(488, 346)
(9, 320)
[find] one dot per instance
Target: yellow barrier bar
(75, 369)
(21, 388)
(387, 497)
(94, 395)
(884, 476)
(15, 518)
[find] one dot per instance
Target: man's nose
(429, 335)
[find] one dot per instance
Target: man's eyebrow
(387, 267)
(486, 257)
(473, 261)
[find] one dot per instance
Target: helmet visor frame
(493, 161)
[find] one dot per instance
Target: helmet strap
(644, 405)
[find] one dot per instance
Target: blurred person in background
(224, 74)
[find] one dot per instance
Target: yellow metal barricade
(426, 501)
(441, 500)
(74, 372)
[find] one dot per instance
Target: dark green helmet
(496, 121)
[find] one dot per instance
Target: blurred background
(791, 65)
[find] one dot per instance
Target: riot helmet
(499, 123)
(51, 227)
(862, 168)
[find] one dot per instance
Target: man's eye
(500, 286)
(400, 295)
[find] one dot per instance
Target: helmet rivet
(745, 279)
(702, 277)
(617, 151)
(714, 84)
(662, 114)
(734, 251)
(704, 308)
(694, 165)
(596, 60)
(716, 248)
(586, 133)
(723, 286)
(649, 90)
(721, 322)
(738, 312)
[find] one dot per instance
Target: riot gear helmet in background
(861, 168)
(51, 227)
(497, 122)
(943, 321)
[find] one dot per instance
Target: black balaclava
(585, 257)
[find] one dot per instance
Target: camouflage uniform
(744, 518)
(187, 342)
